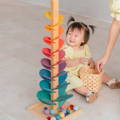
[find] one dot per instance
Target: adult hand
(101, 63)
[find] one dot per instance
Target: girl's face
(75, 37)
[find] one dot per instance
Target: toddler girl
(77, 55)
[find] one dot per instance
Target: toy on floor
(61, 113)
(53, 84)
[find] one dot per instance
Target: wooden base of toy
(38, 110)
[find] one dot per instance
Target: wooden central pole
(55, 46)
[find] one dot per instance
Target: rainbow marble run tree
(53, 96)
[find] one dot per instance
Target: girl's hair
(72, 24)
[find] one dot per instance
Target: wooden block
(38, 110)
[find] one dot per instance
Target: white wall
(98, 9)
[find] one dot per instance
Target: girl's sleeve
(87, 52)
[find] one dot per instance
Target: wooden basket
(91, 78)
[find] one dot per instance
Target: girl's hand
(72, 62)
(84, 61)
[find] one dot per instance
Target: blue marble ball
(52, 112)
(64, 111)
(57, 117)
(76, 108)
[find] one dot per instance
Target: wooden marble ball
(52, 112)
(46, 111)
(68, 111)
(63, 107)
(76, 108)
(48, 118)
(62, 115)
(57, 117)
(53, 118)
(64, 111)
(71, 107)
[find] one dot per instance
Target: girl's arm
(72, 62)
(76, 61)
